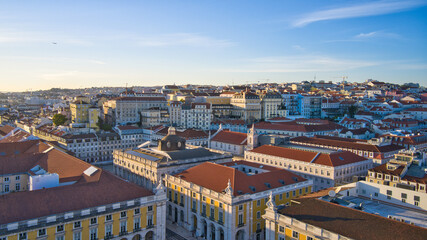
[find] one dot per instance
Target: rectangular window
(77, 236)
(22, 236)
(42, 232)
(17, 178)
(93, 234)
(93, 220)
(404, 195)
(240, 219)
(281, 229)
(309, 238)
(258, 203)
(60, 237)
(108, 230)
(6, 188)
(108, 217)
(150, 220)
(77, 224)
(287, 195)
(220, 217)
(150, 208)
(212, 212)
(258, 215)
(60, 228)
(137, 211)
(240, 207)
(136, 223)
(123, 226)
(17, 186)
(123, 214)
(295, 234)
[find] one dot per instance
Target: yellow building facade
(217, 215)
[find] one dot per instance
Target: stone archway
(149, 235)
(240, 235)
(137, 237)
(221, 234)
(212, 233)
(204, 229)
(194, 226)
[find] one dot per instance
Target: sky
(78, 44)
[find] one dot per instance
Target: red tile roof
(328, 159)
(349, 222)
(129, 127)
(215, 177)
(27, 205)
(188, 133)
(345, 144)
(295, 127)
(17, 135)
(4, 130)
(31, 146)
(225, 136)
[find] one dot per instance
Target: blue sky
(145, 43)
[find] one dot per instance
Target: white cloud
(59, 76)
(362, 10)
(306, 63)
(183, 39)
(298, 47)
(376, 34)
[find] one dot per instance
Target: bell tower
(252, 138)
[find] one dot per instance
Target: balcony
(194, 210)
(150, 226)
(108, 236)
(220, 222)
(123, 233)
(137, 229)
(181, 204)
(212, 218)
(203, 214)
(241, 225)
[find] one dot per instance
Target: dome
(171, 142)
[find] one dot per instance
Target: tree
(352, 110)
(103, 126)
(59, 119)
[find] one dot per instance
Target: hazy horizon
(80, 44)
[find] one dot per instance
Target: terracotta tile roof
(20, 163)
(188, 133)
(229, 121)
(333, 159)
(127, 127)
(207, 105)
(225, 136)
(383, 169)
(4, 130)
(107, 189)
(140, 99)
(215, 177)
(349, 222)
(357, 131)
(345, 144)
(31, 146)
(295, 127)
(17, 136)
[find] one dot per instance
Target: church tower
(252, 138)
